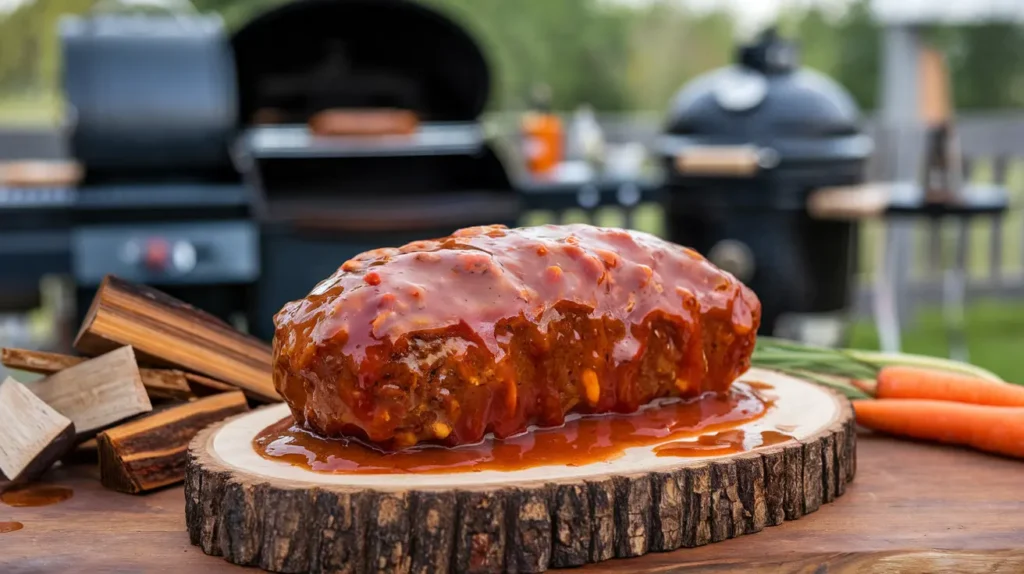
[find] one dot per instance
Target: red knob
(157, 254)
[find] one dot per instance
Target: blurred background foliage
(616, 56)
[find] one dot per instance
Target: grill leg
(954, 296)
(886, 307)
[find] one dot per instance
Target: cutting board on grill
(912, 508)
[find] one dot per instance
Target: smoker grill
(744, 147)
(321, 200)
(153, 108)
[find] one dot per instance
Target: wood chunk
(168, 332)
(32, 434)
(97, 393)
(40, 362)
(166, 384)
(205, 386)
(159, 383)
(149, 452)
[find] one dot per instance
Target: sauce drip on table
(35, 495)
(580, 441)
(721, 443)
(6, 527)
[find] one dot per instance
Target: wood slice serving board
(284, 518)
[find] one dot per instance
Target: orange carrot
(900, 382)
(991, 429)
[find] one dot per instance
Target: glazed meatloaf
(495, 329)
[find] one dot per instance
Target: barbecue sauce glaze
(580, 441)
(493, 330)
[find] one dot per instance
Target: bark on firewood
(167, 332)
(299, 527)
(149, 453)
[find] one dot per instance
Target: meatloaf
(494, 329)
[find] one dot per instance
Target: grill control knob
(183, 256)
(156, 254)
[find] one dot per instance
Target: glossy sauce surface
(580, 441)
(35, 495)
(722, 443)
(492, 330)
(6, 527)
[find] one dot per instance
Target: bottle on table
(543, 134)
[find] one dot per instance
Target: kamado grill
(744, 148)
(321, 199)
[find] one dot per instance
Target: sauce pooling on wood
(6, 527)
(35, 495)
(580, 441)
(722, 443)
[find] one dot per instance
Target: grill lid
(311, 55)
(150, 96)
(763, 98)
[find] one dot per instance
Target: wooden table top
(912, 508)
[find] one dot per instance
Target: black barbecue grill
(322, 199)
(744, 147)
(153, 108)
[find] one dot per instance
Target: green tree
(858, 63)
(669, 46)
(988, 67)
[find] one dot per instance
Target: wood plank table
(912, 508)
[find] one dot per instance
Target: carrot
(997, 430)
(900, 382)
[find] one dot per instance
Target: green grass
(31, 110)
(995, 337)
